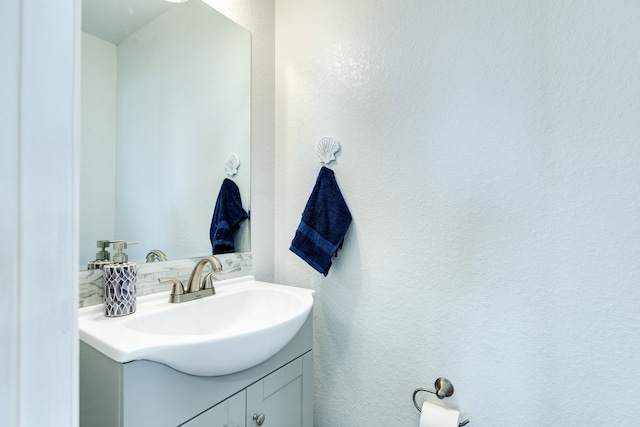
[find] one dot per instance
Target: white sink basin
(243, 325)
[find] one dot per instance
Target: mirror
(165, 100)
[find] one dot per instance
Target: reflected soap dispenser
(120, 279)
(103, 257)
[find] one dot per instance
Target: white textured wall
(491, 161)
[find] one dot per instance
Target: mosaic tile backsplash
(92, 283)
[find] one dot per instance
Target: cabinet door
(284, 397)
(229, 413)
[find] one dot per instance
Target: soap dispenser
(120, 279)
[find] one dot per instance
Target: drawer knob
(259, 418)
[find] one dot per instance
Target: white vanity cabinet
(283, 398)
(279, 400)
(144, 393)
(229, 413)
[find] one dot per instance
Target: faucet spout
(195, 281)
(156, 254)
(198, 287)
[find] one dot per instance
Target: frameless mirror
(165, 100)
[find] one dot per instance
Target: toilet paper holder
(444, 388)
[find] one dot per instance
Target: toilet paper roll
(437, 416)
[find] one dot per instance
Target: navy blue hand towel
(226, 219)
(324, 223)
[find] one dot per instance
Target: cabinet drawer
(229, 413)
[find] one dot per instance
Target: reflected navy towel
(325, 222)
(226, 219)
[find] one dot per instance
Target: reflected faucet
(197, 287)
(156, 255)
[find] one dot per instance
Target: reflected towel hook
(444, 388)
(231, 165)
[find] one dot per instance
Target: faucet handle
(207, 282)
(178, 287)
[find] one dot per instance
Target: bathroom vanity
(278, 392)
(241, 357)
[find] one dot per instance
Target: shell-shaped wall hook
(232, 164)
(326, 149)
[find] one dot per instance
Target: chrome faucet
(197, 287)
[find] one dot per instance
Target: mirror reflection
(165, 100)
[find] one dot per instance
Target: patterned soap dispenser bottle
(120, 279)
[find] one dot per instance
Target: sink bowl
(243, 325)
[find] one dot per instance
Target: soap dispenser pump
(103, 257)
(120, 279)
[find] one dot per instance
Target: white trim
(39, 276)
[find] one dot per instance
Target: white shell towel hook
(231, 165)
(326, 150)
